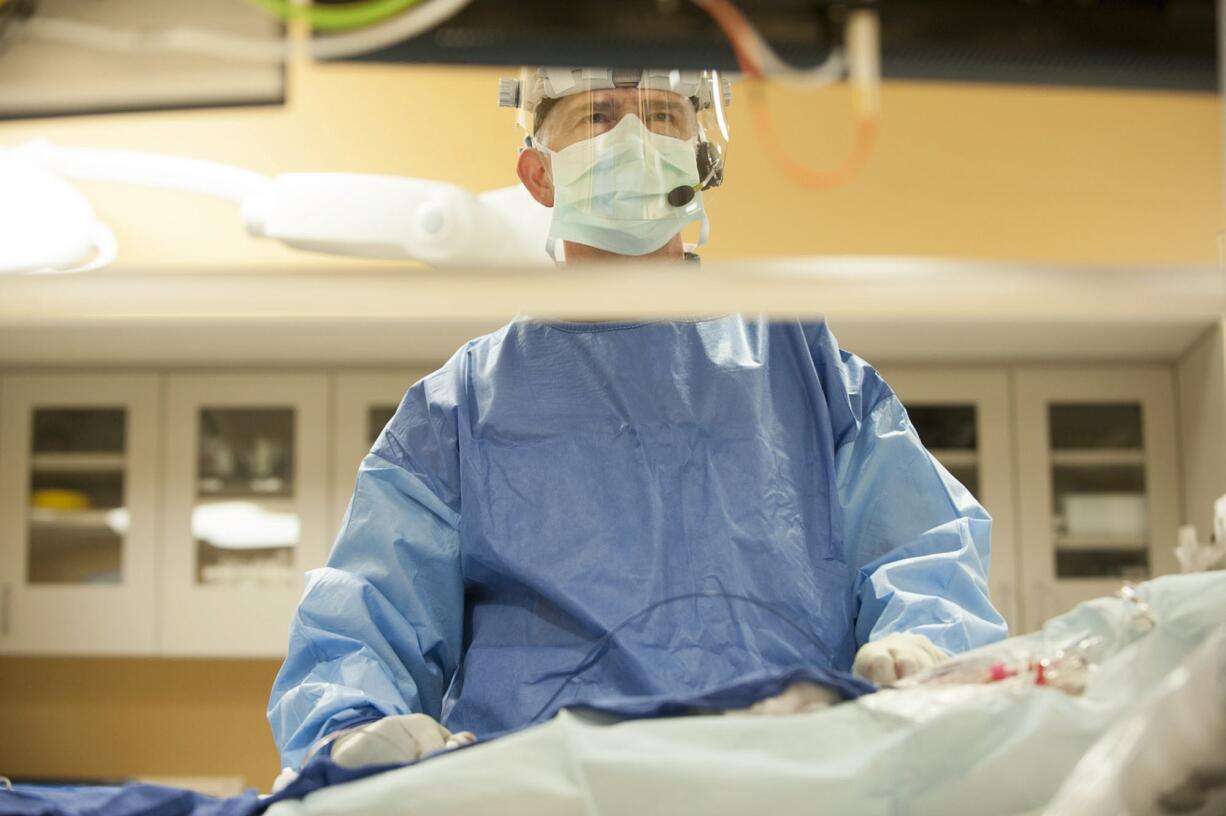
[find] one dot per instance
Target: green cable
(336, 18)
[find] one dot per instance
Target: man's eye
(595, 119)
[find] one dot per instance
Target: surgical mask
(611, 191)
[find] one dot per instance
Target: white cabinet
(78, 510)
(963, 417)
(1076, 465)
(246, 513)
(175, 514)
(1097, 480)
(365, 401)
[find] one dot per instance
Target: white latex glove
(400, 739)
(284, 779)
(798, 698)
(896, 656)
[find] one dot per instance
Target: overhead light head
(46, 224)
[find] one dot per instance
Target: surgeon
(571, 511)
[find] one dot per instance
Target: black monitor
(1122, 43)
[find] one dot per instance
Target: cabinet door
(246, 509)
(1097, 471)
(963, 417)
(78, 513)
(365, 402)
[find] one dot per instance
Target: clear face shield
(628, 145)
(628, 151)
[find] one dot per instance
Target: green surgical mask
(612, 191)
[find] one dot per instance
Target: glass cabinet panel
(365, 402)
(79, 503)
(1097, 480)
(376, 420)
(246, 464)
(1100, 515)
(77, 518)
(244, 522)
(949, 433)
(963, 416)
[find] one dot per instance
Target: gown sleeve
(379, 629)
(917, 541)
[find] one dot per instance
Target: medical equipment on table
(1197, 556)
(1169, 756)
(1064, 666)
(1001, 749)
(1064, 669)
(991, 749)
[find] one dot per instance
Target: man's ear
(535, 176)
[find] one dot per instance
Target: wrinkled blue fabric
(127, 800)
(741, 694)
(566, 513)
(139, 799)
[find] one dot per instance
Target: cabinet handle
(4, 609)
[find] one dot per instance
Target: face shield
(626, 146)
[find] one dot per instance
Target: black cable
(601, 646)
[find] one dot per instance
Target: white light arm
(339, 213)
(143, 169)
(399, 218)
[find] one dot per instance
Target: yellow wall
(977, 171)
(95, 718)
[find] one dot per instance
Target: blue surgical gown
(568, 512)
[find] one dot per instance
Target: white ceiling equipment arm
(351, 214)
(142, 169)
(396, 217)
(46, 224)
(524, 225)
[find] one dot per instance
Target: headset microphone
(680, 196)
(710, 170)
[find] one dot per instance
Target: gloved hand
(284, 779)
(896, 656)
(798, 698)
(400, 739)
